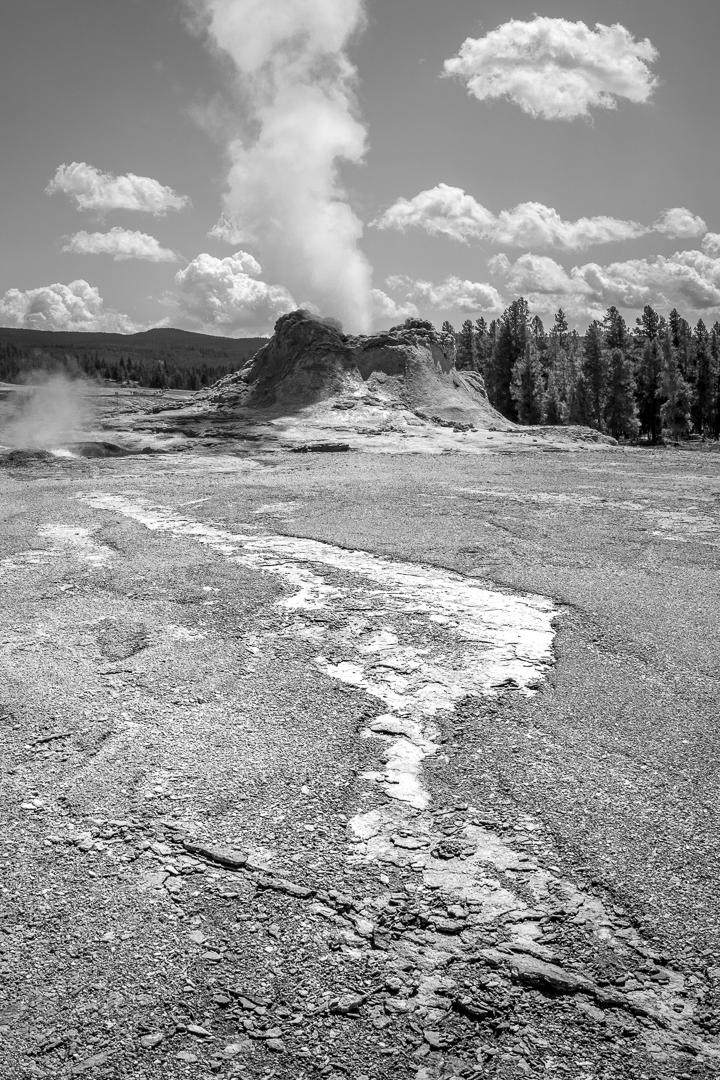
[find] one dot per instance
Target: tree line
(659, 379)
(174, 367)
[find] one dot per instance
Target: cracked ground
(360, 766)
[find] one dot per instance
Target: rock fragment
(284, 886)
(225, 856)
(149, 1042)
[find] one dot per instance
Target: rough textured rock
(310, 361)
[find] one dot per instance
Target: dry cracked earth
(360, 766)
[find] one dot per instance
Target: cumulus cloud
(711, 244)
(92, 189)
(680, 223)
(689, 279)
(77, 306)
(534, 274)
(285, 195)
(557, 69)
(227, 295)
(450, 211)
(387, 310)
(121, 244)
(452, 293)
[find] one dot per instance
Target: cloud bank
(686, 279)
(77, 306)
(453, 293)
(92, 189)
(284, 194)
(556, 69)
(119, 243)
(227, 296)
(450, 211)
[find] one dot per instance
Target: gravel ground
(184, 892)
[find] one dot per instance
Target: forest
(161, 358)
(658, 380)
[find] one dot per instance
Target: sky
(212, 164)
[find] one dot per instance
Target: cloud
(77, 306)
(284, 194)
(95, 190)
(711, 244)
(534, 274)
(556, 69)
(686, 279)
(449, 211)
(226, 295)
(121, 244)
(452, 293)
(680, 223)
(387, 310)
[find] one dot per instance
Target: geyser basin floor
(501, 915)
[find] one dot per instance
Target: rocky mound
(310, 361)
(312, 388)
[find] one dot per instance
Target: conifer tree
(483, 345)
(674, 392)
(581, 405)
(510, 342)
(560, 332)
(615, 331)
(554, 410)
(648, 379)
(466, 353)
(527, 385)
(647, 325)
(540, 338)
(620, 411)
(702, 397)
(715, 380)
(595, 372)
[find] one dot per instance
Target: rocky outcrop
(310, 360)
(306, 359)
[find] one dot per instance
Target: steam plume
(284, 195)
(44, 415)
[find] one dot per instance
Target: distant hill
(163, 357)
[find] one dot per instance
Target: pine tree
(648, 379)
(674, 392)
(554, 410)
(448, 328)
(527, 385)
(715, 380)
(615, 331)
(681, 338)
(483, 345)
(466, 352)
(595, 371)
(620, 411)
(702, 397)
(581, 406)
(647, 325)
(511, 339)
(540, 338)
(560, 328)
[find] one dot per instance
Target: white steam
(285, 196)
(43, 415)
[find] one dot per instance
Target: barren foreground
(360, 765)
